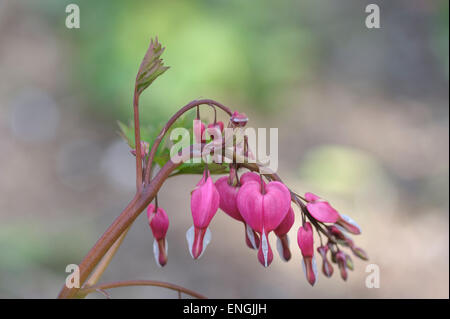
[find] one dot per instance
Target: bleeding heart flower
(159, 223)
(217, 126)
(305, 241)
(282, 233)
(228, 194)
(204, 204)
(263, 207)
(327, 268)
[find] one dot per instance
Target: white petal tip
(251, 236)
(280, 248)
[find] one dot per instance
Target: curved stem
(166, 127)
(121, 223)
(137, 141)
(142, 283)
(101, 267)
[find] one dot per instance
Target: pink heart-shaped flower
(263, 208)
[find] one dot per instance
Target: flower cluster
(263, 204)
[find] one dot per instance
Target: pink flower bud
(282, 233)
(204, 204)
(342, 263)
(263, 208)
(145, 147)
(321, 210)
(159, 223)
(349, 224)
(336, 232)
(327, 268)
(305, 241)
(239, 119)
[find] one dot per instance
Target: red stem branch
(137, 141)
(120, 224)
(143, 283)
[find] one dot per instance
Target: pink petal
(248, 177)
(349, 225)
(277, 201)
(204, 203)
(283, 247)
(265, 254)
(323, 212)
(160, 251)
(197, 240)
(310, 269)
(286, 224)
(305, 240)
(228, 196)
(158, 221)
(251, 237)
(310, 197)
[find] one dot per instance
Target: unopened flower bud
(305, 241)
(342, 263)
(159, 224)
(145, 147)
(327, 268)
(204, 204)
(238, 119)
(359, 252)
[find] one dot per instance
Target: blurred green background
(362, 117)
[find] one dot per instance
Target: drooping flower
(216, 126)
(238, 119)
(327, 268)
(341, 260)
(282, 235)
(159, 223)
(204, 204)
(324, 212)
(305, 241)
(263, 207)
(228, 194)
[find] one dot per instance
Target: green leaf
(127, 132)
(151, 66)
